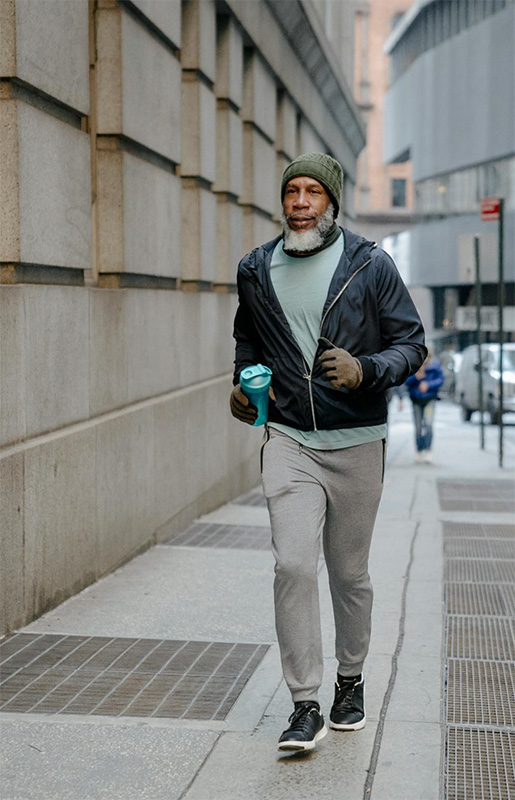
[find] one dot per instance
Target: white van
(467, 392)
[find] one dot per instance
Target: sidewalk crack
(374, 758)
(201, 766)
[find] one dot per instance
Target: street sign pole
(479, 356)
(492, 208)
(501, 329)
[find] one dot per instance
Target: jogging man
(327, 311)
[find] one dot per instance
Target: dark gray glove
(342, 369)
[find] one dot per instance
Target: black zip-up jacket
(368, 312)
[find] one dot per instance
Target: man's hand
(423, 387)
(241, 408)
(342, 369)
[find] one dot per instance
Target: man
(327, 311)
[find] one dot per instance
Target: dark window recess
(399, 192)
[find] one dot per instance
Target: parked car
(467, 390)
(450, 362)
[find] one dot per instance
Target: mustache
(297, 214)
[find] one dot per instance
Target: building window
(399, 192)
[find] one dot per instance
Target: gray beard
(307, 241)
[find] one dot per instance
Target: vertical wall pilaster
(259, 115)
(229, 148)
(198, 161)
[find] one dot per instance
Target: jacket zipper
(307, 376)
(342, 291)
(309, 373)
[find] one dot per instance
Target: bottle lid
(254, 372)
(255, 378)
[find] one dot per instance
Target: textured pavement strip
(479, 712)
(155, 758)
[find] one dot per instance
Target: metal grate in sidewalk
(475, 570)
(480, 693)
(208, 534)
(480, 599)
(480, 764)
(53, 674)
(479, 548)
(473, 495)
(473, 530)
(480, 637)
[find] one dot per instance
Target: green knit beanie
(321, 167)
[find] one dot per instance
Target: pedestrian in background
(423, 390)
(327, 311)
(398, 392)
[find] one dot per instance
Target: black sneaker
(348, 711)
(307, 727)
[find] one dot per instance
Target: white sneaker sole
(300, 746)
(356, 727)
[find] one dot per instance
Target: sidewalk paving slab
(177, 593)
(65, 761)
(247, 767)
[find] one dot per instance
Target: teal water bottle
(255, 383)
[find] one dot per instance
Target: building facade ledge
(303, 30)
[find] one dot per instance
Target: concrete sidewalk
(213, 584)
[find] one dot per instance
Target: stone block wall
(141, 148)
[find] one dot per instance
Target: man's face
(305, 200)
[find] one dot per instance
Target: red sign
(490, 208)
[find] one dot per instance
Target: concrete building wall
(141, 150)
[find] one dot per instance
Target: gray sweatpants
(310, 493)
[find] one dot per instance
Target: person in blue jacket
(423, 390)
